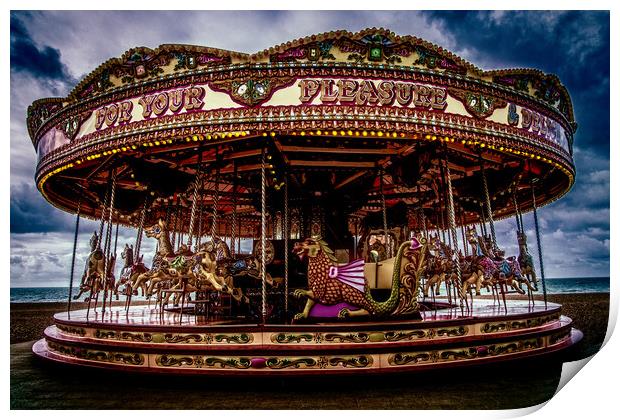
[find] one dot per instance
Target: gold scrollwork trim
(124, 336)
(136, 359)
(284, 338)
(185, 338)
(71, 330)
(465, 353)
(243, 338)
(493, 327)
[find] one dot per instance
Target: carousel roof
(343, 117)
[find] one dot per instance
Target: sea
(563, 285)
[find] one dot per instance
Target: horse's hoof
(477, 293)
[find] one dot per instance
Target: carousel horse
(167, 265)
(208, 276)
(441, 266)
(183, 271)
(249, 265)
(526, 262)
(489, 271)
(130, 271)
(92, 278)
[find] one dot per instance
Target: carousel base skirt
(145, 340)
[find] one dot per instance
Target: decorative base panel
(145, 340)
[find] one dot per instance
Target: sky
(50, 52)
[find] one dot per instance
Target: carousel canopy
(347, 119)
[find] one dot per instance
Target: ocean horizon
(554, 285)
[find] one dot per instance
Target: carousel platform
(146, 340)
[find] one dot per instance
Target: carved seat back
(385, 272)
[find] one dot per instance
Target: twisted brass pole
(539, 242)
(106, 252)
(452, 219)
(384, 214)
(286, 236)
(487, 200)
(192, 218)
(263, 237)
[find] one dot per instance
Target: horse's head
(94, 240)
(522, 239)
(207, 252)
(157, 230)
(127, 253)
(471, 235)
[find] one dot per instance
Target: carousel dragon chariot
(330, 283)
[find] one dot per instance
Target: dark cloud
(31, 213)
(574, 45)
(41, 62)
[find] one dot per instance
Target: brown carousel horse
(246, 265)
(526, 262)
(167, 265)
(130, 272)
(441, 267)
(183, 271)
(207, 276)
(92, 278)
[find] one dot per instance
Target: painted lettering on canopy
(176, 101)
(539, 124)
(110, 115)
(372, 92)
(153, 106)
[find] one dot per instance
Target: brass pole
(263, 237)
(539, 242)
(75, 237)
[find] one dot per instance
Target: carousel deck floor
(151, 316)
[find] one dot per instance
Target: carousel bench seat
(386, 269)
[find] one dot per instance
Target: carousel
(325, 206)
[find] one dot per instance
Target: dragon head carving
(311, 247)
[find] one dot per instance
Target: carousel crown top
(347, 120)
